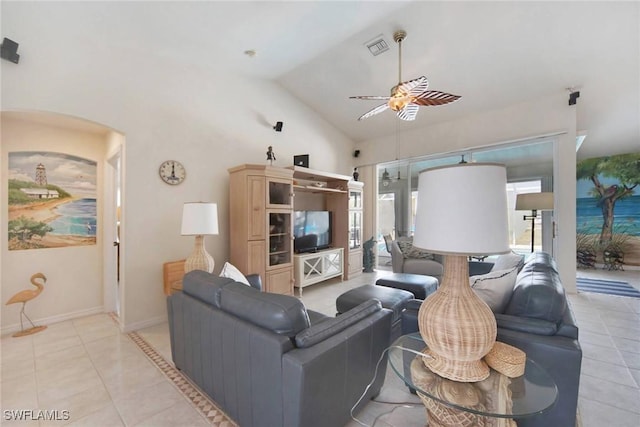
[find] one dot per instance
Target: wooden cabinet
(261, 207)
(261, 214)
(335, 193)
(355, 228)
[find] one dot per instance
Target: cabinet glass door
(355, 229)
(355, 199)
(279, 238)
(279, 193)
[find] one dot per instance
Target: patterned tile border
(200, 400)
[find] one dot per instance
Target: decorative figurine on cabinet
(271, 156)
(356, 174)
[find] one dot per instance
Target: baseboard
(54, 319)
(143, 324)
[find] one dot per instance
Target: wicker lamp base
(459, 328)
(199, 258)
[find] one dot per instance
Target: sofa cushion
(410, 251)
(332, 326)
(281, 314)
(425, 267)
(229, 270)
(508, 261)
(529, 326)
(538, 293)
(495, 288)
(205, 286)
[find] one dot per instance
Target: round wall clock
(172, 172)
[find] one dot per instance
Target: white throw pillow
(508, 261)
(231, 272)
(495, 288)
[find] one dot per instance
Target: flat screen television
(311, 230)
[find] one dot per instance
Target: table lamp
(461, 212)
(199, 219)
(534, 202)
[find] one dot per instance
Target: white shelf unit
(318, 266)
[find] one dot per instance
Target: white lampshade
(534, 202)
(462, 209)
(199, 218)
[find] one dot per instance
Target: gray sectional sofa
(267, 361)
(537, 320)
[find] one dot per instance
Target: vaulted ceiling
(493, 54)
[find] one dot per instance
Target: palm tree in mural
(626, 169)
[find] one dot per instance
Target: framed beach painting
(52, 200)
(608, 211)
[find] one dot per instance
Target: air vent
(377, 45)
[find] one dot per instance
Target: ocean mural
(52, 200)
(608, 208)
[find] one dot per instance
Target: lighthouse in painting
(41, 175)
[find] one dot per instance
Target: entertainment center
(270, 205)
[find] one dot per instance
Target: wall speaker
(278, 126)
(356, 153)
(573, 96)
(9, 51)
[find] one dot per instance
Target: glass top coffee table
(493, 402)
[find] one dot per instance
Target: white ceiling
(493, 54)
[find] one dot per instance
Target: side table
(172, 274)
(493, 402)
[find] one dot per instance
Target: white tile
(180, 414)
(148, 401)
(598, 414)
(623, 344)
(609, 393)
(79, 405)
(61, 357)
(603, 353)
(607, 371)
(108, 416)
(19, 393)
(41, 348)
(16, 367)
(133, 382)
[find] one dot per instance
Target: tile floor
(87, 367)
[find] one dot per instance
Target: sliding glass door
(529, 170)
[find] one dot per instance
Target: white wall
(543, 116)
(209, 121)
(74, 274)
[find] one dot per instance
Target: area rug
(609, 287)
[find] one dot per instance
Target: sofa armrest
(255, 281)
(561, 357)
(329, 327)
(325, 380)
(397, 258)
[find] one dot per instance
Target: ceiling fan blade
(435, 97)
(374, 98)
(414, 87)
(377, 110)
(409, 112)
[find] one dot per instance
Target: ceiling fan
(407, 97)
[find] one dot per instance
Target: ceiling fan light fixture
(399, 101)
(407, 97)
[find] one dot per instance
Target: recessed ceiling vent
(377, 45)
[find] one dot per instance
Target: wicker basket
(506, 359)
